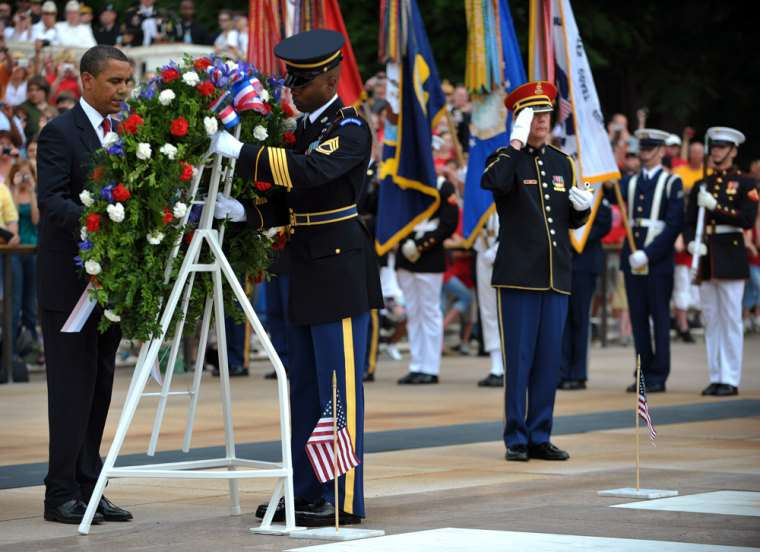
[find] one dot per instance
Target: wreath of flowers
(138, 209)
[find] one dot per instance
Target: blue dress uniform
(532, 275)
(587, 266)
(655, 204)
(334, 276)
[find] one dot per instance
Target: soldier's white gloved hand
(409, 250)
(225, 144)
(693, 245)
(521, 126)
(638, 259)
(580, 199)
(229, 207)
(706, 200)
(489, 255)
(221, 209)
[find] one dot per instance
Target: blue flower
(85, 245)
(107, 192)
(78, 261)
(116, 149)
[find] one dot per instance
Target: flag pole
(626, 224)
(335, 448)
(638, 392)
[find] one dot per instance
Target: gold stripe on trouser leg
(373, 342)
(350, 376)
(503, 361)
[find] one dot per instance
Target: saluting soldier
(730, 200)
(534, 189)
(655, 204)
(334, 276)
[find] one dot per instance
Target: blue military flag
(408, 191)
(494, 68)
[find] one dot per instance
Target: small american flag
(319, 447)
(644, 409)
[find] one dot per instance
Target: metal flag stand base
(204, 469)
(630, 492)
(341, 534)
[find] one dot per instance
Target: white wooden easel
(204, 469)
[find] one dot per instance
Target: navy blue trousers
(575, 338)
(649, 296)
(276, 293)
(531, 324)
(314, 352)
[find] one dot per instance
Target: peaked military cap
(651, 137)
(724, 136)
(538, 95)
(309, 54)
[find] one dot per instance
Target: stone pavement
(437, 463)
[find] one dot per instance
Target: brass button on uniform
(337, 251)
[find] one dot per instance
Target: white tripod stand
(205, 235)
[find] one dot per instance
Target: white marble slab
(461, 540)
(731, 503)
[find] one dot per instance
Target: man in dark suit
(334, 276)
(80, 366)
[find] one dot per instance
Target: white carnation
(166, 97)
(135, 92)
(110, 139)
(232, 65)
(154, 238)
(260, 133)
(143, 150)
(272, 232)
(264, 95)
(290, 125)
(179, 209)
(92, 267)
(83, 233)
(168, 150)
(191, 78)
(115, 212)
(211, 125)
(111, 315)
(86, 198)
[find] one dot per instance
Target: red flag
(350, 86)
(265, 29)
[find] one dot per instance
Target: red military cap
(538, 95)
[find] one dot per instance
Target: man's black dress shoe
(686, 336)
(710, 389)
(111, 512)
(492, 381)
(279, 512)
(233, 370)
(571, 384)
(408, 378)
(418, 378)
(650, 388)
(322, 514)
(70, 512)
(517, 453)
(547, 451)
(725, 390)
(366, 376)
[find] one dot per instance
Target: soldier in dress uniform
(655, 204)
(334, 277)
(534, 189)
(730, 200)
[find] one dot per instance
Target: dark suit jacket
(68, 141)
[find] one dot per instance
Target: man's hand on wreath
(225, 144)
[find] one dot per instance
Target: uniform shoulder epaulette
(349, 116)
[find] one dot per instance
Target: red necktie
(106, 124)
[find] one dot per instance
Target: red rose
(120, 193)
(97, 174)
(167, 218)
(263, 186)
(279, 240)
(267, 108)
(187, 171)
(290, 138)
(169, 74)
(94, 282)
(179, 126)
(287, 109)
(260, 277)
(201, 64)
(189, 237)
(131, 124)
(206, 89)
(93, 222)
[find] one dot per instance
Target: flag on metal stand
(643, 408)
(408, 188)
(557, 55)
(494, 68)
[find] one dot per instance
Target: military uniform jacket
(430, 243)
(737, 197)
(665, 207)
(530, 189)
(333, 266)
(591, 258)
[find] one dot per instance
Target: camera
(45, 42)
(68, 66)
(6, 150)
(25, 177)
(22, 63)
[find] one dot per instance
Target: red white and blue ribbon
(81, 312)
(229, 117)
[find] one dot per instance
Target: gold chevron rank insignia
(328, 147)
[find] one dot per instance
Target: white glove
(489, 255)
(409, 250)
(580, 199)
(693, 244)
(521, 126)
(225, 144)
(706, 200)
(229, 207)
(221, 209)
(638, 259)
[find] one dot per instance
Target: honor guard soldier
(534, 189)
(730, 202)
(334, 276)
(655, 204)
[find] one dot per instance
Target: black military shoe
(571, 384)
(321, 513)
(422, 379)
(517, 453)
(547, 451)
(710, 389)
(725, 390)
(70, 512)
(650, 388)
(366, 376)
(408, 378)
(492, 381)
(279, 512)
(111, 512)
